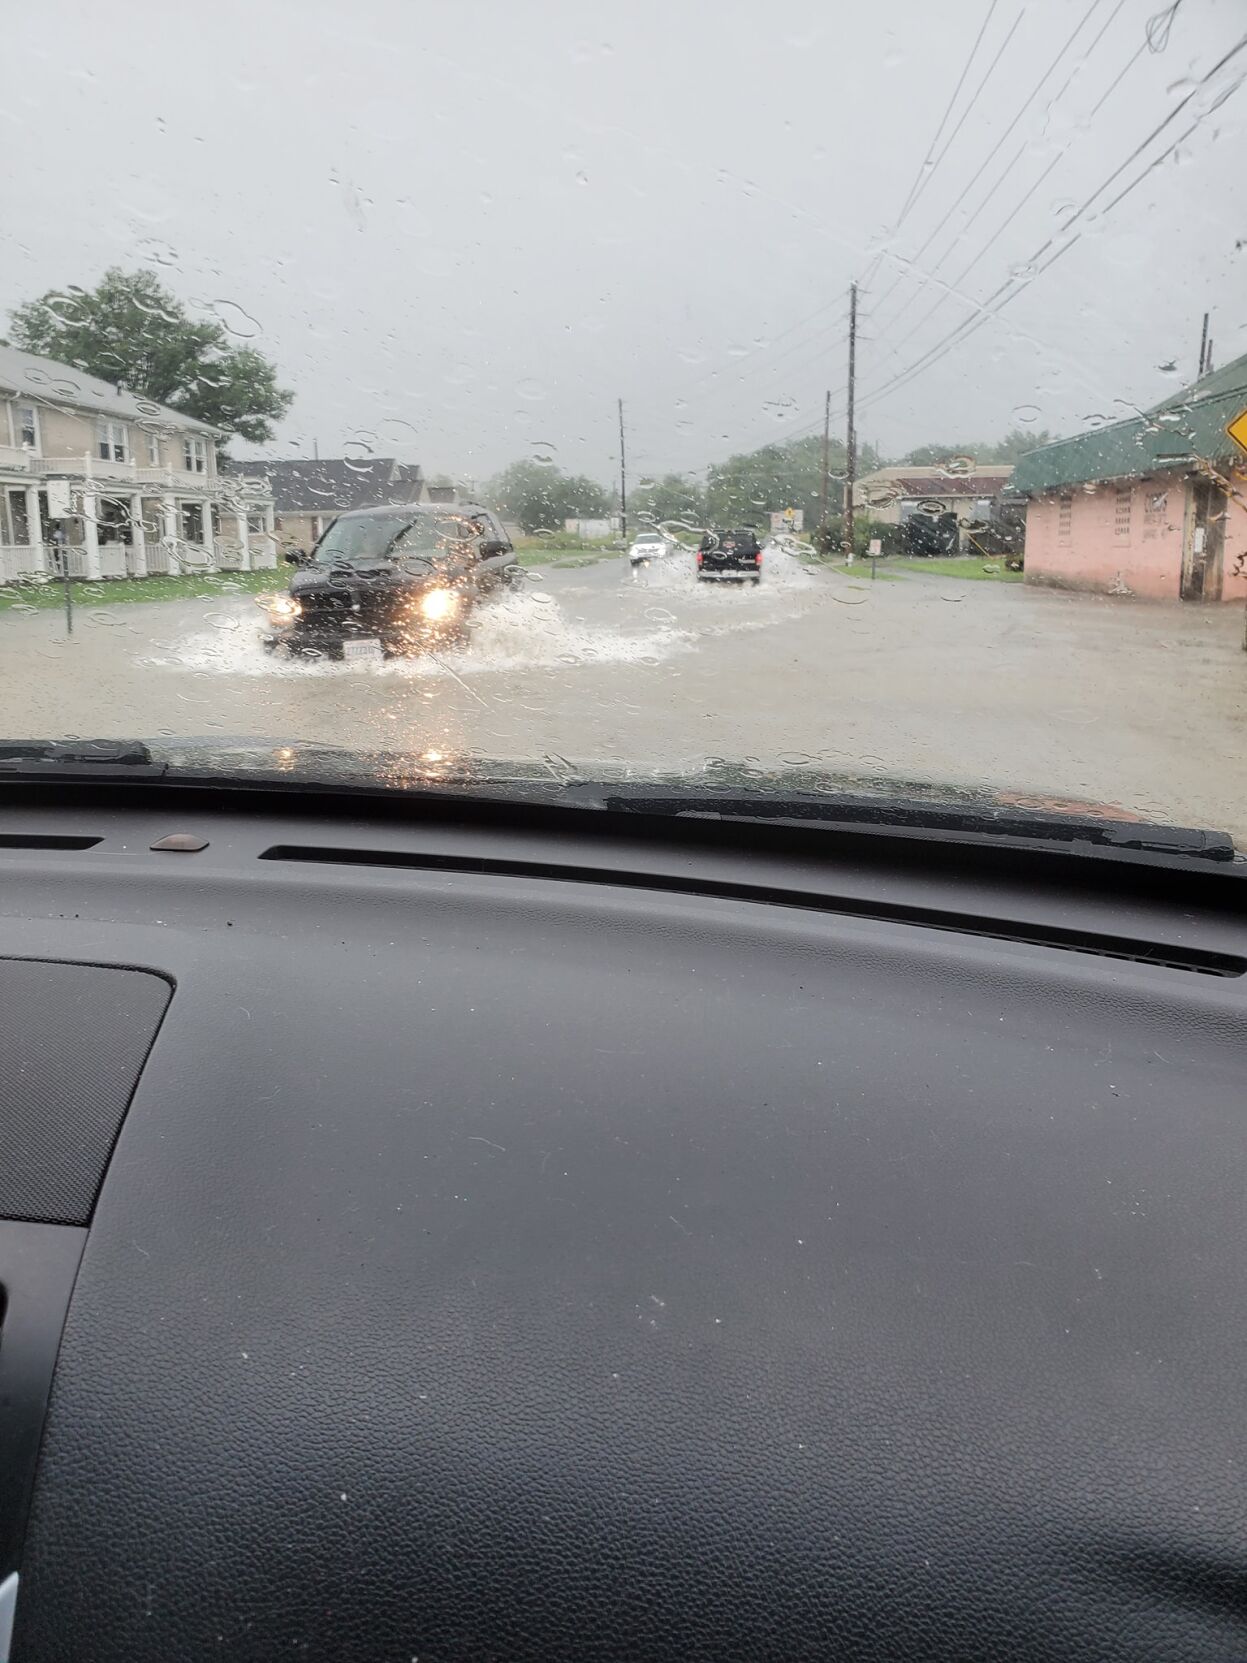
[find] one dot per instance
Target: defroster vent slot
(1158, 955)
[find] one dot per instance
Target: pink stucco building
(1155, 506)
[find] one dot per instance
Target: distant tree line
(1004, 451)
(742, 490)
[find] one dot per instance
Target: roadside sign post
(1237, 430)
(60, 511)
(875, 550)
(60, 544)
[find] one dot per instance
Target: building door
(1205, 540)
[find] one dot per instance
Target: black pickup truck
(735, 555)
(392, 580)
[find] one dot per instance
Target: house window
(17, 514)
(193, 522)
(153, 450)
(1065, 520)
(194, 455)
(26, 426)
(1121, 513)
(110, 441)
(113, 523)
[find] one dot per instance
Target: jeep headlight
(283, 609)
(438, 605)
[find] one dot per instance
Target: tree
(747, 488)
(541, 497)
(673, 497)
(933, 456)
(1006, 450)
(131, 331)
(1018, 440)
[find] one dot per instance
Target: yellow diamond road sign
(1237, 429)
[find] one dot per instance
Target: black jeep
(391, 580)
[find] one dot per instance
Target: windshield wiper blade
(915, 814)
(27, 757)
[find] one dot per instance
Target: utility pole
(822, 495)
(1203, 347)
(850, 443)
(623, 479)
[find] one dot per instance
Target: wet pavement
(927, 678)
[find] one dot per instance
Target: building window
(193, 522)
(195, 455)
(1065, 520)
(26, 426)
(17, 514)
(110, 441)
(113, 523)
(1121, 513)
(153, 450)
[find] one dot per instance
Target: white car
(649, 545)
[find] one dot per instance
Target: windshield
(366, 539)
(947, 462)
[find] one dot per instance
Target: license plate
(353, 651)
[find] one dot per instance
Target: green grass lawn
(967, 566)
(124, 590)
(221, 585)
(562, 555)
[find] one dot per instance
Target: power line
(988, 309)
(924, 173)
(935, 139)
(1009, 290)
(1012, 287)
(921, 178)
(820, 310)
(952, 138)
(994, 150)
(954, 286)
(850, 432)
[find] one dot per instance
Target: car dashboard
(497, 1232)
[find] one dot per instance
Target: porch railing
(20, 564)
(35, 563)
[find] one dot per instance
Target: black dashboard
(521, 1235)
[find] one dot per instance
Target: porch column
(169, 529)
(240, 525)
(138, 537)
(270, 530)
(34, 525)
(209, 541)
(91, 534)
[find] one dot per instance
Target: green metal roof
(1173, 434)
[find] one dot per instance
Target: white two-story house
(111, 484)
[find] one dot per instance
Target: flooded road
(977, 684)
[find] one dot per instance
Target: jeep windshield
(358, 540)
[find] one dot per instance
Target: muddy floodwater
(922, 677)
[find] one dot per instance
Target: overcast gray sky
(463, 229)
